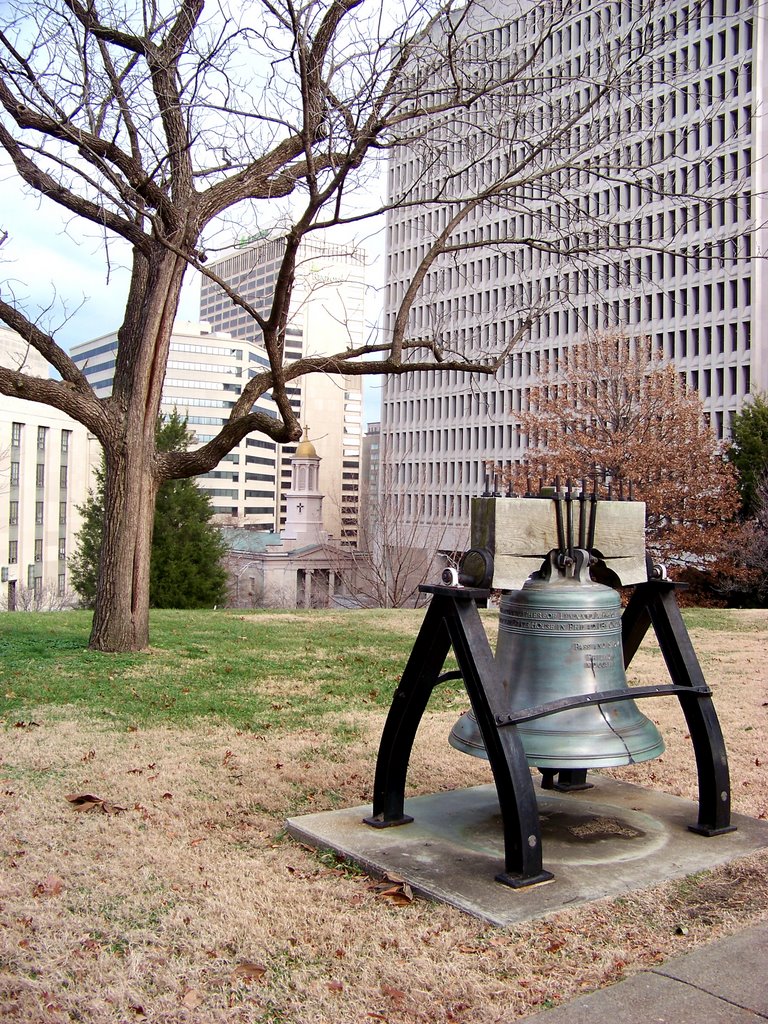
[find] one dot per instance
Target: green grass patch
(723, 620)
(255, 671)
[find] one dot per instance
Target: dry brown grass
(192, 906)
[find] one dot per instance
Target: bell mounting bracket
(452, 621)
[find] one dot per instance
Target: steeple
(305, 449)
(304, 502)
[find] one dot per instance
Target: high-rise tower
(326, 316)
(644, 216)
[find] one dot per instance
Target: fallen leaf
(52, 885)
(88, 802)
(393, 889)
(26, 725)
(395, 994)
(193, 998)
(335, 986)
(248, 971)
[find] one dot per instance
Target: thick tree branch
(48, 186)
(44, 344)
(77, 403)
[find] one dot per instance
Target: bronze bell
(560, 636)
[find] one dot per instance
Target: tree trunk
(121, 614)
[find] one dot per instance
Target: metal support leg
(514, 785)
(452, 620)
(408, 705)
(654, 604)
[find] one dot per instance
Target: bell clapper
(569, 780)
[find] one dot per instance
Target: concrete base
(599, 842)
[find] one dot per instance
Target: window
(62, 548)
(41, 435)
(39, 550)
(65, 439)
(14, 474)
(62, 513)
(39, 513)
(13, 552)
(62, 585)
(13, 513)
(63, 477)
(16, 434)
(40, 475)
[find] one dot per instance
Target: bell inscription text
(558, 620)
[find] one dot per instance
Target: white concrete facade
(701, 135)
(47, 461)
(206, 372)
(326, 316)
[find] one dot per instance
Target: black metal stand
(452, 620)
(654, 604)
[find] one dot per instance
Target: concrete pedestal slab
(599, 842)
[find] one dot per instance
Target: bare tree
(47, 598)
(156, 122)
(401, 544)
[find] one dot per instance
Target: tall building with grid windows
(326, 316)
(648, 221)
(46, 467)
(206, 372)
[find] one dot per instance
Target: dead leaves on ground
(393, 889)
(89, 802)
(51, 885)
(248, 971)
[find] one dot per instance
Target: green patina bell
(560, 636)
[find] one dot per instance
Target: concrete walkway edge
(723, 982)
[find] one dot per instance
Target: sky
(56, 266)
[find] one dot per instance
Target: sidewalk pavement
(725, 982)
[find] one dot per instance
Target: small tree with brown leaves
(613, 410)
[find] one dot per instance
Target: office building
(369, 476)
(326, 316)
(206, 372)
(47, 461)
(646, 219)
(210, 361)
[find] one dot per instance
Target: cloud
(58, 268)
